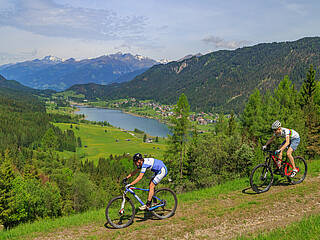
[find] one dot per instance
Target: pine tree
(252, 117)
(179, 128)
(50, 140)
(6, 194)
(308, 98)
(232, 125)
(308, 87)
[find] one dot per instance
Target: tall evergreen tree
(232, 124)
(308, 88)
(308, 102)
(6, 193)
(178, 140)
(252, 116)
(50, 140)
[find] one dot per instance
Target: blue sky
(155, 28)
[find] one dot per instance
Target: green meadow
(102, 141)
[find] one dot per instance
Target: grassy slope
(98, 217)
(209, 203)
(308, 228)
(101, 142)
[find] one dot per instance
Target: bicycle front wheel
(302, 167)
(261, 178)
(167, 201)
(117, 217)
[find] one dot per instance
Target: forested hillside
(220, 80)
(23, 119)
(14, 85)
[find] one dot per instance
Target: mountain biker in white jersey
(292, 141)
(156, 166)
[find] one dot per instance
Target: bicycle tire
(112, 212)
(303, 169)
(266, 179)
(171, 202)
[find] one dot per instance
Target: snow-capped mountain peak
(51, 58)
(140, 57)
(164, 61)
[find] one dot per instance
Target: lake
(125, 121)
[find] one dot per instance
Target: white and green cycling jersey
(288, 132)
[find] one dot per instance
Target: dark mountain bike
(120, 210)
(262, 175)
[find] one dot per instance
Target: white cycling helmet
(276, 125)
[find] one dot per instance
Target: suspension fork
(267, 163)
(121, 211)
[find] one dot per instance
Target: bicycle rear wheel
(261, 178)
(302, 170)
(167, 200)
(118, 218)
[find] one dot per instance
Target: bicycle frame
(283, 163)
(130, 190)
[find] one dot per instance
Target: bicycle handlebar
(271, 152)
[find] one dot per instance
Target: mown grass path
(224, 216)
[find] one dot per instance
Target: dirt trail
(224, 217)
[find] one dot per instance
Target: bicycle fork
(121, 211)
(264, 175)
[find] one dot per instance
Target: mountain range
(55, 73)
(218, 81)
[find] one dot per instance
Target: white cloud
(14, 57)
(296, 8)
(218, 42)
(47, 18)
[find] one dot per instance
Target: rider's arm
(270, 140)
(133, 173)
(137, 179)
(286, 143)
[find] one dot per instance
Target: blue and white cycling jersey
(153, 164)
(156, 166)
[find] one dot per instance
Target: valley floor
(225, 216)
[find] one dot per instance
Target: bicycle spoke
(167, 202)
(302, 170)
(261, 178)
(118, 217)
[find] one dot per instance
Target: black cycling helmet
(137, 156)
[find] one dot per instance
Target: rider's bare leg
(289, 154)
(151, 190)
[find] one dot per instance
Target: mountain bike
(121, 211)
(262, 176)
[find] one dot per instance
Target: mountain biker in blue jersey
(156, 166)
(292, 141)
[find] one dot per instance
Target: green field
(101, 141)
